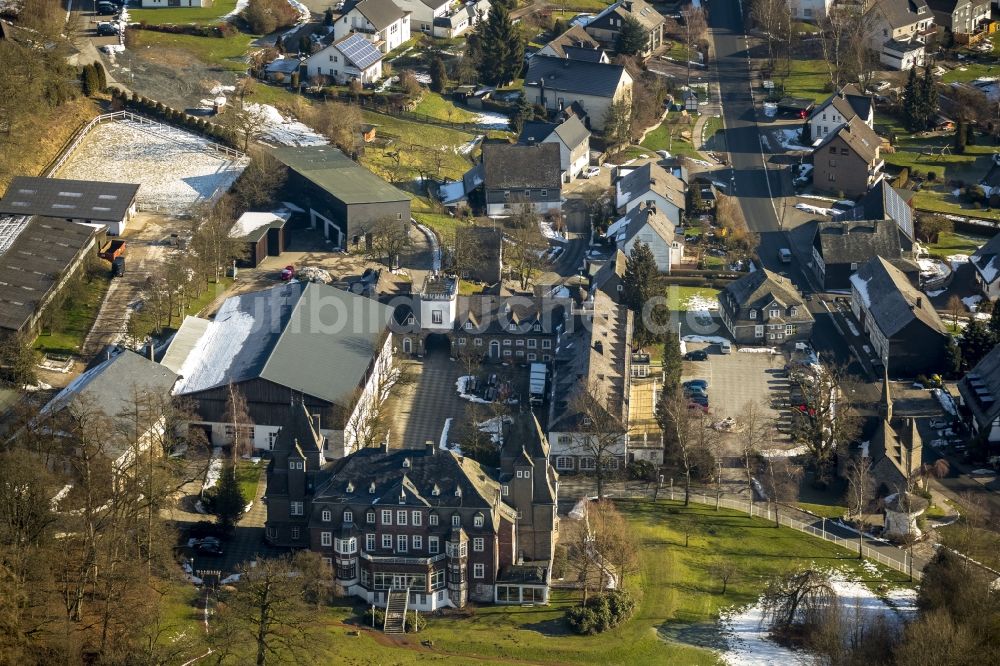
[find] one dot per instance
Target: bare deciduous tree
(825, 421)
(797, 597)
(599, 432)
(860, 493)
(387, 238)
(725, 569)
(238, 418)
(687, 436)
(781, 482)
(755, 428)
(526, 244)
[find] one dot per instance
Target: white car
(591, 172)
(938, 424)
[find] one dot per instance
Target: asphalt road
(759, 188)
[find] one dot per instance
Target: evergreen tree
(631, 38)
(227, 500)
(952, 359)
(928, 98)
(994, 324)
(911, 101)
(501, 49)
(88, 77)
(523, 112)
(639, 278)
(696, 201)
(439, 75)
(959, 146)
(672, 361)
(328, 17)
(977, 341)
(102, 77)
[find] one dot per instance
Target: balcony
(379, 559)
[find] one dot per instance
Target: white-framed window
(505, 490)
(564, 462)
(433, 545)
(416, 519)
(532, 343)
(387, 516)
(296, 464)
(519, 342)
(753, 314)
(789, 329)
(545, 193)
(506, 352)
(546, 358)
(456, 520)
(546, 344)
(387, 541)
(854, 265)
(369, 542)
(271, 436)
(478, 342)
(327, 515)
(774, 314)
(532, 356)
(295, 533)
(432, 520)
(479, 544)
(296, 508)
(477, 521)
(468, 325)
(418, 542)
(507, 342)
(758, 331)
(402, 543)
(401, 517)
(348, 516)
(461, 342)
(587, 463)
(370, 517)
(326, 538)
(328, 562)
(478, 570)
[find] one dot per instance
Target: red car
(287, 273)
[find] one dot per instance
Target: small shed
(282, 69)
(690, 101)
(368, 133)
(264, 235)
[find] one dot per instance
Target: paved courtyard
(421, 406)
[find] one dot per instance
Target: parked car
(938, 424)
(591, 172)
(691, 391)
(696, 355)
(106, 9)
(209, 546)
(287, 273)
(107, 29)
(696, 383)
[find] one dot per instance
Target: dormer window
(456, 520)
(402, 497)
(774, 314)
(538, 327)
(435, 491)
(468, 325)
(296, 464)
(350, 486)
(478, 520)
(349, 517)
(406, 463)
(410, 320)
(753, 314)
(794, 310)
(512, 327)
(371, 488)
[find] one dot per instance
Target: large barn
(87, 202)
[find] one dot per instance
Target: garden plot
(174, 169)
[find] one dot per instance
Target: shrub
(266, 16)
(379, 617)
(414, 622)
(932, 176)
(601, 612)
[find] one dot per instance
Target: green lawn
(78, 317)
(660, 138)
(213, 290)
(824, 510)
(679, 295)
(278, 96)
(420, 145)
(953, 243)
(436, 106)
(210, 14)
(715, 134)
(224, 52)
(970, 72)
(943, 202)
(678, 51)
(247, 475)
(807, 78)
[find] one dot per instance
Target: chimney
(652, 181)
(429, 446)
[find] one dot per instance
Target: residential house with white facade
(646, 224)
(461, 18)
(653, 186)
(381, 22)
(350, 58)
(557, 84)
(839, 109)
(898, 31)
(572, 138)
(962, 18)
(810, 10)
(423, 13)
(986, 261)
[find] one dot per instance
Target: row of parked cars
(696, 392)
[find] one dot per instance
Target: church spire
(885, 404)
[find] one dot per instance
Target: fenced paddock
(175, 169)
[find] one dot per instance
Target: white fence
(144, 122)
(899, 559)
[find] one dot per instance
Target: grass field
(213, 290)
(77, 318)
(824, 510)
(436, 106)
(970, 72)
(953, 243)
(218, 9)
(675, 593)
(225, 52)
(679, 295)
(420, 146)
(247, 475)
(807, 78)
(943, 202)
(660, 138)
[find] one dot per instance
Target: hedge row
(217, 30)
(602, 612)
(159, 111)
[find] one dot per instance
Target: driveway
(419, 408)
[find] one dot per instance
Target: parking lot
(739, 378)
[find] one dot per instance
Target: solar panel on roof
(360, 51)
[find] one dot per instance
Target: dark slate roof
(640, 10)
(572, 132)
(575, 37)
(892, 300)
(849, 101)
(882, 202)
(331, 170)
(35, 253)
(413, 473)
(310, 337)
(625, 228)
(651, 176)
(614, 267)
(358, 50)
(856, 242)
(584, 53)
(380, 13)
(574, 76)
(78, 199)
(980, 388)
(859, 138)
(986, 260)
(761, 288)
(901, 13)
(535, 131)
(512, 166)
(489, 313)
(297, 438)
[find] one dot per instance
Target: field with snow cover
(174, 169)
